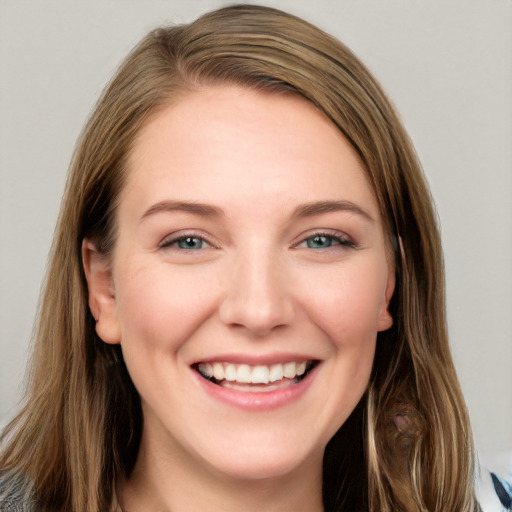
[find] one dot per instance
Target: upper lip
(256, 359)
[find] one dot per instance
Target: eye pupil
(319, 241)
(190, 242)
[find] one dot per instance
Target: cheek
(159, 307)
(347, 311)
(348, 304)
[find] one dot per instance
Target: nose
(258, 298)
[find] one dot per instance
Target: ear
(385, 320)
(102, 300)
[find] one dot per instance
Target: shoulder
(503, 490)
(15, 495)
(494, 493)
(494, 489)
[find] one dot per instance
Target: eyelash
(173, 242)
(334, 239)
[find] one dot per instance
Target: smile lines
(247, 374)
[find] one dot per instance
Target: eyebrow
(202, 209)
(304, 210)
(320, 207)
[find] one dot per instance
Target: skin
(258, 285)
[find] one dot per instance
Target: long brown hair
(410, 446)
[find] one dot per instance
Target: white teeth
(206, 369)
(243, 374)
(290, 370)
(260, 375)
(218, 371)
(276, 372)
(246, 374)
(301, 368)
(230, 372)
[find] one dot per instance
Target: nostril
(258, 295)
(258, 316)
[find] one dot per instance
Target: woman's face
(248, 282)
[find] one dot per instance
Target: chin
(252, 470)
(258, 461)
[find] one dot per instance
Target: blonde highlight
(79, 430)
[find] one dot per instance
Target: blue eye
(190, 242)
(326, 241)
(186, 243)
(320, 241)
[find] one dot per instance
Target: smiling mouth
(245, 377)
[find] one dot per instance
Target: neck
(165, 480)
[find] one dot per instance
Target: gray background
(447, 66)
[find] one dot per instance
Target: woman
(245, 302)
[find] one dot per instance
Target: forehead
(225, 140)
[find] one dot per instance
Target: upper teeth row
(246, 374)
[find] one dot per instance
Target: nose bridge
(257, 295)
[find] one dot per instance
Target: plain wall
(446, 64)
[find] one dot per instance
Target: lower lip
(258, 400)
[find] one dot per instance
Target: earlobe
(385, 318)
(102, 301)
